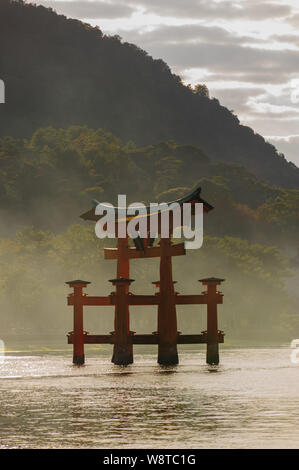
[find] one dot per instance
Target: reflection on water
(250, 400)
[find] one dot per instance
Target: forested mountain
(50, 179)
(62, 72)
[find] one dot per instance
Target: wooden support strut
(212, 356)
(123, 348)
(78, 344)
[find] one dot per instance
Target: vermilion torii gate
(167, 336)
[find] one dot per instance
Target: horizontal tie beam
(146, 339)
(93, 300)
(143, 299)
(198, 339)
(133, 299)
(148, 252)
(195, 299)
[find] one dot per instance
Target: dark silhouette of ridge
(62, 72)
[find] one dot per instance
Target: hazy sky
(245, 51)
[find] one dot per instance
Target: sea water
(251, 400)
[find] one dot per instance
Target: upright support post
(78, 344)
(159, 316)
(167, 319)
(212, 356)
(123, 347)
(123, 261)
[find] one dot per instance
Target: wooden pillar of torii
(77, 302)
(167, 326)
(122, 349)
(211, 283)
(167, 317)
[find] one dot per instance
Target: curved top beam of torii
(192, 198)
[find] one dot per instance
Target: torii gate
(167, 336)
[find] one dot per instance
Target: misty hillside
(49, 179)
(62, 72)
